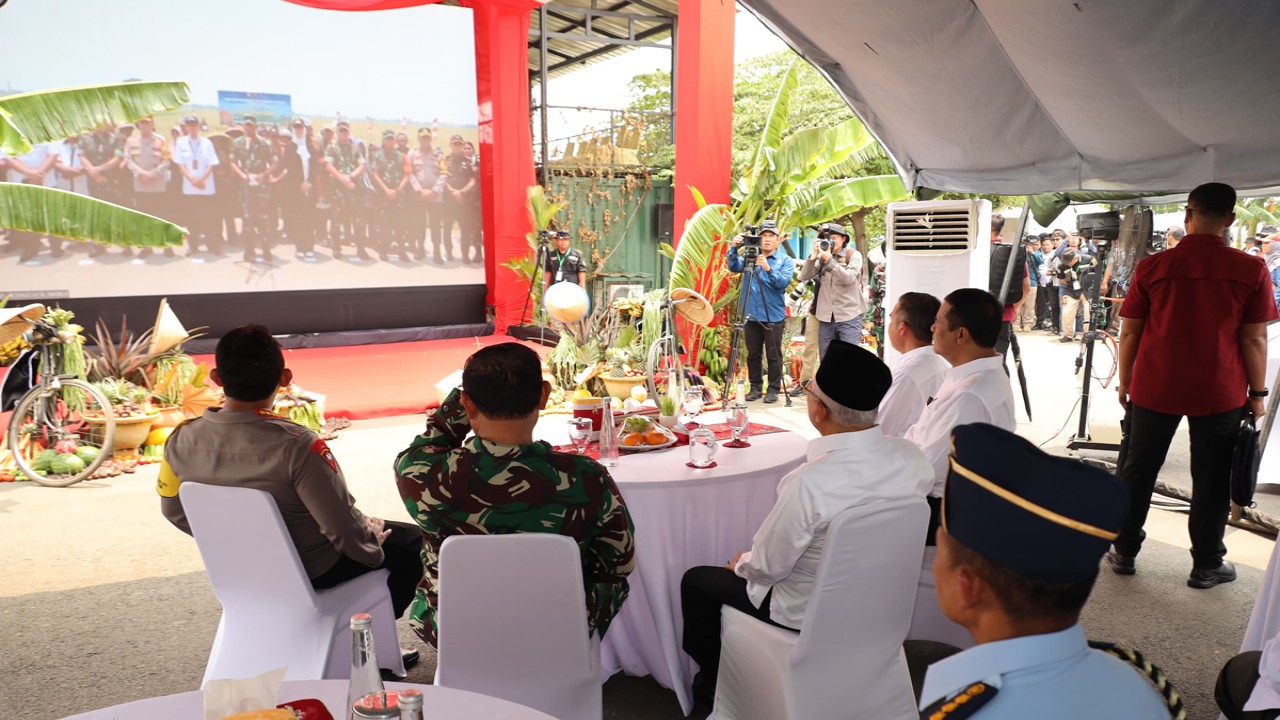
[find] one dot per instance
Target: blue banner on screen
(267, 107)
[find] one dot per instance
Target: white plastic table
(437, 702)
(684, 518)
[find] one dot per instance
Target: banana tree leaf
(48, 115)
(50, 211)
(776, 123)
(697, 247)
(842, 197)
(1256, 213)
(541, 210)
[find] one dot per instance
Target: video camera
(751, 242)
(546, 236)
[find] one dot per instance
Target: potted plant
(667, 411)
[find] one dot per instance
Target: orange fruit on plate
(655, 437)
(632, 439)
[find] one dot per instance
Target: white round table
(684, 518)
(437, 702)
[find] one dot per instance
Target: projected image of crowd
(261, 190)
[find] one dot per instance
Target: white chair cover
(512, 623)
(271, 616)
(928, 622)
(847, 660)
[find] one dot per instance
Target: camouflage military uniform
(346, 202)
(101, 148)
(389, 213)
(255, 158)
(481, 488)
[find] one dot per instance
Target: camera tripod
(539, 267)
(1092, 280)
(750, 277)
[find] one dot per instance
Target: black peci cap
(853, 377)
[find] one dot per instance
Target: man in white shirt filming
(976, 389)
(919, 371)
(852, 464)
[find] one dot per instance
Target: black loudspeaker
(1102, 226)
(664, 218)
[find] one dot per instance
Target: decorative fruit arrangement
(643, 432)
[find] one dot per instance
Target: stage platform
(372, 381)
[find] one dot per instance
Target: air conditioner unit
(934, 247)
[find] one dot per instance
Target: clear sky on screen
(415, 62)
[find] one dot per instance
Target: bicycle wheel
(60, 435)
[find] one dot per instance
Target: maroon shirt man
(1193, 343)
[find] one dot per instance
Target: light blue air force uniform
(1047, 677)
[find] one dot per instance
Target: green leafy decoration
(48, 115)
(698, 246)
(50, 211)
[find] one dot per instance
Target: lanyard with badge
(560, 267)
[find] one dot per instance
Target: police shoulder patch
(263, 412)
(321, 448)
(963, 705)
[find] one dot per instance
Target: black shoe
(1121, 564)
(771, 397)
(753, 395)
(797, 390)
(409, 656)
(1204, 579)
(1066, 339)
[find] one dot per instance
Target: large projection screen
(409, 72)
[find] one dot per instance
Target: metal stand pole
(1082, 440)
(735, 337)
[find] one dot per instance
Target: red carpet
(369, 381)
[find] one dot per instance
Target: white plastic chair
(512, 623)
(847, 661)
(271, 616)
(928, 621)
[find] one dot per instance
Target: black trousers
(400, 555)
(1050, 295)
(202, 221)
(703, 591)
(1042, 306)
(1147, 435)
(1235, 684)
(424, 218)
(764, 338)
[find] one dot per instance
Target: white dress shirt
(196, 155)
(916, 378)
(977, 391)
(842, 471)
(71, 156)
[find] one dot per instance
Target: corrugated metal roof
(623, 20)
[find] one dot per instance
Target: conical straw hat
(168, 332)
(13, 324)
(692, 306)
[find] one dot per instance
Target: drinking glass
(702, 448)
(691, 404)
(579, 433)
(739, 425)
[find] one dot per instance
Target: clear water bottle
(410, 704)
(365, 677)
(608, 438)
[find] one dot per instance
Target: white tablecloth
(437, 702)
(683, 518)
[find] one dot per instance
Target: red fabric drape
(704, 105)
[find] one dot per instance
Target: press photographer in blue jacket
(766, 311)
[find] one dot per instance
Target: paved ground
(102, 601)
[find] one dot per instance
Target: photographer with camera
(1072, 279)
(838, 300)
(765, 313)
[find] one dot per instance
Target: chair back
(246, 548)
(860, 610)
(512, 623)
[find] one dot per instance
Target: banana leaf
(541, 210)
(48, 115)
(841, 197)
(50, 211)
(779, 113)
(697, 248)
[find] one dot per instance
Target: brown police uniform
(264, 451)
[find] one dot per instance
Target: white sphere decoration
(566, 302)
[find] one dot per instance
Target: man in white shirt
(919, 372)
(195, 158)
(976, 389)
(852, 464)
(31, 168)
